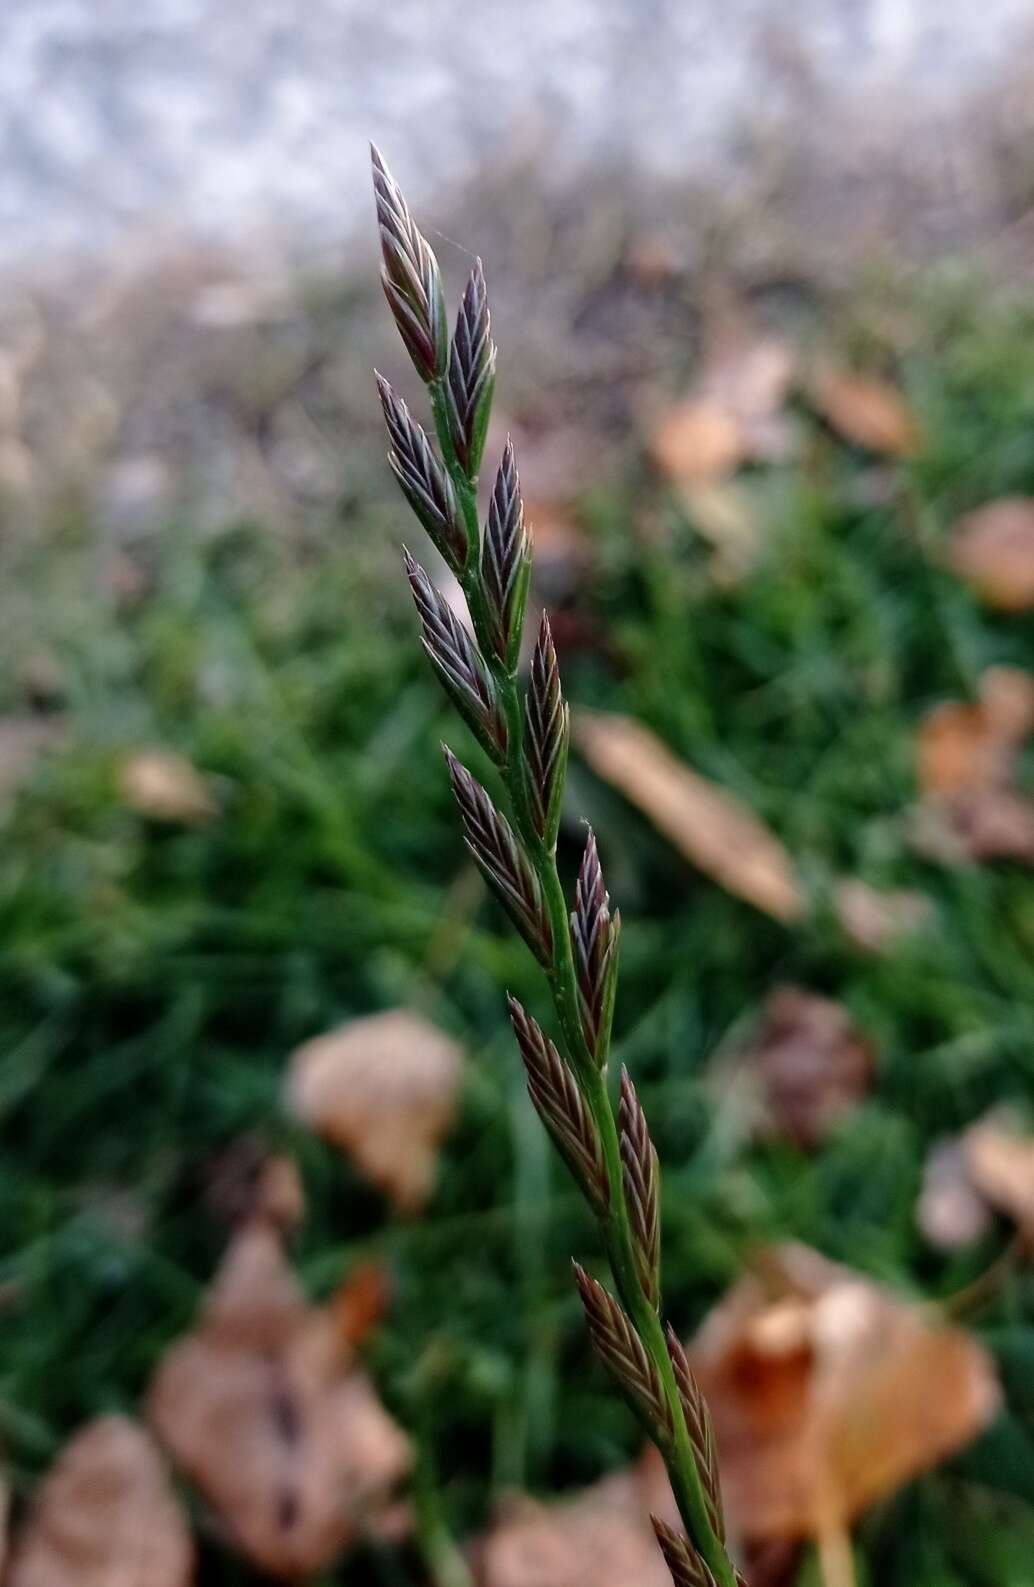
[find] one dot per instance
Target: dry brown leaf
(704, 822)
(292, 1449)
(809, 1064)
(724, 515)
(867, 411)
(246, 1182)
(602, 1538)
(1000, 1163)
(993, 550)
(23, 739)
(105, 1516)
(828, 1394)
(383, 1089)
(950, 1211)
(965, 758)
(874, 918)
(698, 441)
(164, 786)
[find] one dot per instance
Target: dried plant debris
(876, 918)
(164, 786)
(23, 739)
(992, 549)
(705, 823)
(247, 1182)
(105, 1515)
(829, 1393)
(264, 1410)
(383, 1089)
(867, 411)
(966, 755)
(602, 1538)
(806, 1067)
(989, 1168)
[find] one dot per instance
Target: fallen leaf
(724, 515)
(1000, 1163)
(602, 1538)
(828, 1393)
(105, 1515)
(360, 1302)
(384, 1090)
(247, 1182)
(706, 823)
(164, 786)
(965, 755)
(23, 739)
(950, 1212)
(874, 918)
(809, 1063)
(867, 411)
(263, 1411)
(698, 441)
(993, 550)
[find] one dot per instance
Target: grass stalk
(525, 732)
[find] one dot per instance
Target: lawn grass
(154, 979)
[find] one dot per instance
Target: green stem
(591, 1073)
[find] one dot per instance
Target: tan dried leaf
(874, 918)
(384, 1090)
(105, 1516)
(993, 550)
(828, 1394)
(602, 1538)
(1000, 1163)
(809, 1063)
(291, 1448)
(867, 411)
(950, 1211)
(164, 786)
(697, 442)
(965, 759)
(23, 739)
(246, 1182)
(705, 823)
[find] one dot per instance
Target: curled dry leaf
(828, 1394)
(105, 1516)
(384, 1090)
(1000, 1164)
(164, 786)
(602, 1538)
(23, 739)
(993, 550)
(874, 918)
(950, 1211)
(965, 755)
(704, 822)
(867, 411)
(246, 1182)
(809, 1063)
(259, 1406)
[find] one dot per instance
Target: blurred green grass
(153, 980)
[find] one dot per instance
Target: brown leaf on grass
(384, 1090)
(697, 442)
(867, 411)
(602, 1538)
(164, 786)
(993, 550)
(105, 1515)
(966, 753)
(247, 1182)
(262, 1409)
(1000, 1163)
(23, 739)
(705, 823)
(828, 1393)
(875, 918)
(950, 1211)
(809, 1063)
